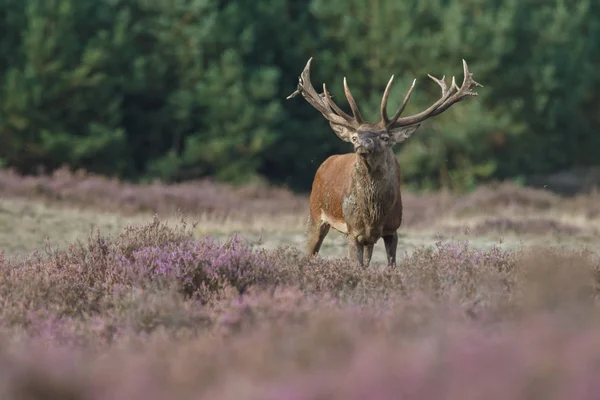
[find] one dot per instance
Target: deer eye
(353, 138)
(384, 138)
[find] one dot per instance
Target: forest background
(185, 89)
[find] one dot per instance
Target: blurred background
(186, 89)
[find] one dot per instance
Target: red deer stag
(358, 194)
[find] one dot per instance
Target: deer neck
(378, 169)
(374, 186)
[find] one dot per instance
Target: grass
(495, 296)
(29, 225)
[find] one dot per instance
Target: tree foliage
(188, 88)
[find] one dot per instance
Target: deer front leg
(368, 254)
(355, 250)
(391, 244)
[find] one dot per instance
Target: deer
(358, 194)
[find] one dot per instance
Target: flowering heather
(154, 313)
(198, 263)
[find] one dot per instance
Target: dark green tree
(177, 90)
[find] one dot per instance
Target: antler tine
(462, 92)
(384, 115)
(323, 105)
(468, 77)
(334, 106)
(355, 111)
(424, 114)
(403, 105)
(454, 85)
(449, 97)
(441, 82)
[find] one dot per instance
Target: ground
(200, 290)
(26, 225)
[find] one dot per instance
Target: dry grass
(121, 305)
(94, 192)
(65, 206)
(278, 208)
(29, 225)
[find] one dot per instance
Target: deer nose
(365, 145)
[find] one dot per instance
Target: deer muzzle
(364, 147)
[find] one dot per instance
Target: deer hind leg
(315, 232)
(391, 244)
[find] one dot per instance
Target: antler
(333, 113)
(325, 104)
(384, 117)
(449, 97)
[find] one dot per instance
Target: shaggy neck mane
(375, 185)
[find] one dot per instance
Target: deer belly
(337, 224)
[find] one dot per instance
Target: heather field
(202, 291)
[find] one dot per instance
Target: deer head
(373, 138)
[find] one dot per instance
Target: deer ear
(399, 135)
(343, 132)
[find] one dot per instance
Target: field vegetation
(175, 268)
(199, 290)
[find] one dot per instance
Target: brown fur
(362, 193)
